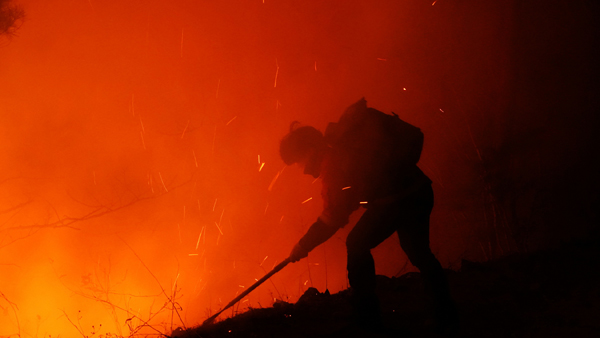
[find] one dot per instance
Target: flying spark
(175, 283)
(276, 73)
(150, 183)
(143, 142)
(184, 129)
(261, 166)
(345, 188)
(274, 180)
(308, 199)
(199, 236)
(163, 182)
(221, 218)
(235, 117)
(364, 202)
(195, 160)
(218, 227)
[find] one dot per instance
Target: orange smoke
(131, 197)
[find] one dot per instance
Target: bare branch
(74, 325)
(16, 207)
(14, 307)
(11, 17)
(68, 222)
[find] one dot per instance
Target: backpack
(372, 135)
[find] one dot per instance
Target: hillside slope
(546, 294)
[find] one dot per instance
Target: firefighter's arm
(318, 233)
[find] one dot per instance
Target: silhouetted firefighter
(369, 159)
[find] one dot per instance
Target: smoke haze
(139, 171)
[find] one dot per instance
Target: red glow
(131, 192)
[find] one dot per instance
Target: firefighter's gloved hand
(318, 233)
(298, 252)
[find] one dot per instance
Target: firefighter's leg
(413, 233)
(369, 232)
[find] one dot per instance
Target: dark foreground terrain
(546, 294)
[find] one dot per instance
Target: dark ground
(553, 293)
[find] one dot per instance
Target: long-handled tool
(248, 290)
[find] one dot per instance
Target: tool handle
(248, 290)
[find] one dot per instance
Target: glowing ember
(228, 122)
